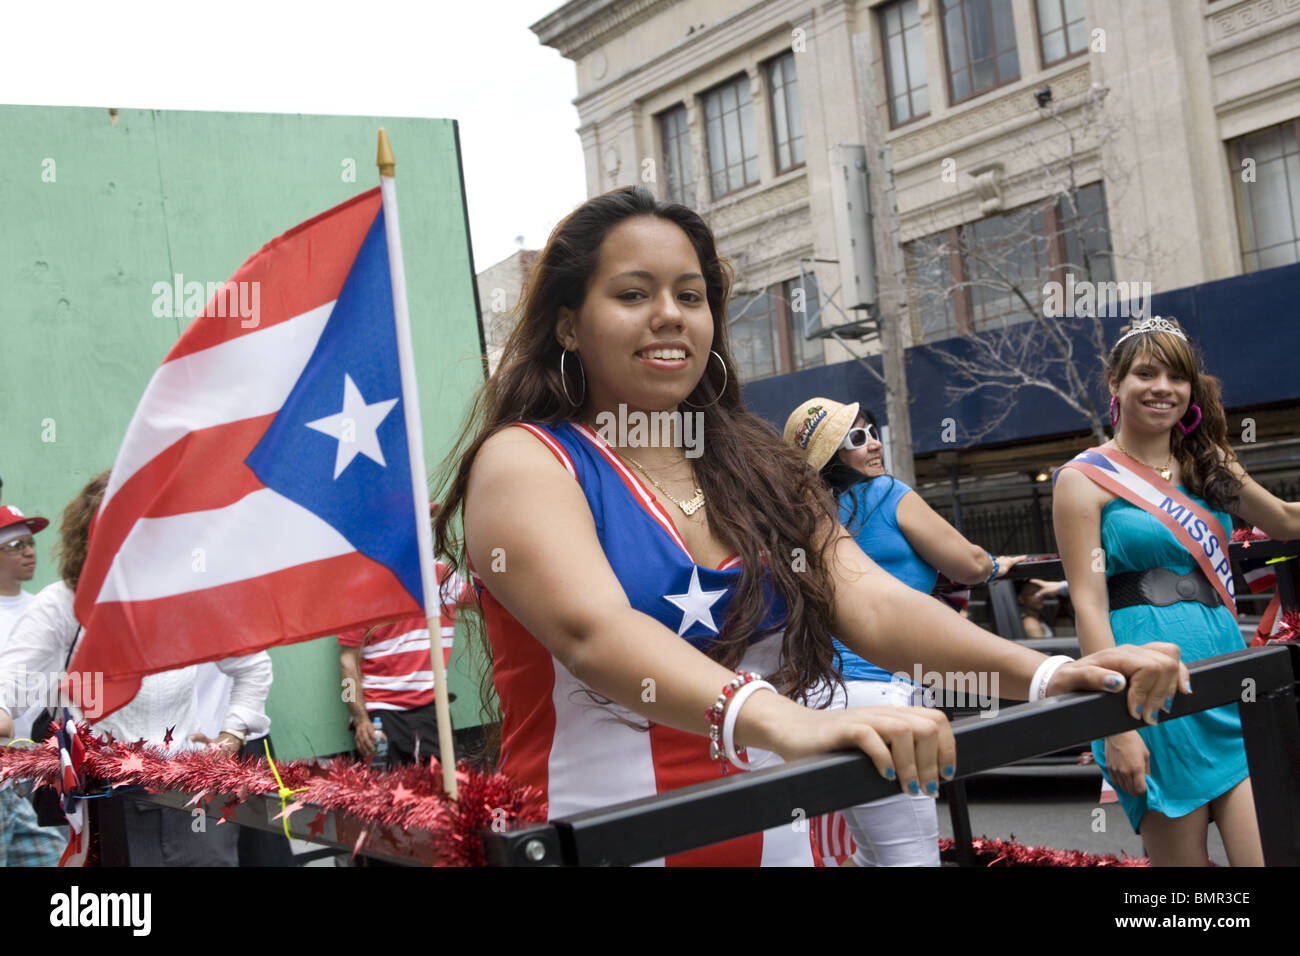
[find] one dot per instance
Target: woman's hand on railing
(913, 745)
(1152, 673)
(1008, 561)
(1128, 761)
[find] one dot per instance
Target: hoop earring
(720, 390)
(1114, 411)
(1188, 429)
(564, 382)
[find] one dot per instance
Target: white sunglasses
(857, 437)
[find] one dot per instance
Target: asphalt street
(1056, 807)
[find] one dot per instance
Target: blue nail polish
(1112, 681)
(948, 771)
(889, 773)
(1139, 711)
(914, 788)
(1169, 705)
(932, 788)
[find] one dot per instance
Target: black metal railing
(1260, 681)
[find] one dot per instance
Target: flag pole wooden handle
(415, 443)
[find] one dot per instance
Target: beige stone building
(499, 289)
(1160, 136)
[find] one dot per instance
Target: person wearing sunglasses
(23, 842)
(17, 566)
(895, 528)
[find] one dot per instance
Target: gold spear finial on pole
(386, 161)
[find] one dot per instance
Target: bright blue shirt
(870, 512)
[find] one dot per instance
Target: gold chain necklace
(1166, 472)
(689, 507)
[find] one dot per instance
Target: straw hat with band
(816, 429)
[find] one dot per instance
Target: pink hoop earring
(1188, 429)
(1114, 411)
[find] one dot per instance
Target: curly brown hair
(74, 531)
(1204, 454)
(751, 479)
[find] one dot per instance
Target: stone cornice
(1021, 189)
(1245, 22)
(964, 128)
(580, 26)
(736, 34)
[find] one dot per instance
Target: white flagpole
(415, 444)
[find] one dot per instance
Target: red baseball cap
(10, 516)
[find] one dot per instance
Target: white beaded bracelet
(729, 722)
(1043, 676)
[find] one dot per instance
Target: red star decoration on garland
(131, 763)
(167, 737)
(317, 825)
(401, 794)
(228, 811)
(289, 810)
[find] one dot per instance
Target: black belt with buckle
(1160, 587)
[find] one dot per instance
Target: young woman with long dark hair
(625, 582)
(1154, 502)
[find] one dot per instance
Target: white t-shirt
(40, 643)
(11, 609)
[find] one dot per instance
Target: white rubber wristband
(729, 721)
(1043, 676)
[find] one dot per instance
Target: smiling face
(644, 330)
(1152, 396)
(868, 459)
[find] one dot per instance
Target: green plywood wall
(96, 207)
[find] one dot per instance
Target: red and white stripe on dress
(832, 842)
(396, 672)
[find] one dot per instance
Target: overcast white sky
(475, 61)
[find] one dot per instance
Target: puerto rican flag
(71, 757)
(263, 494)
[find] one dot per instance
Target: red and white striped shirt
(396, 671)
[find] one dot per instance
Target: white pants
(900, 830)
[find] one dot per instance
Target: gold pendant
(1166, 473)
(692, 505)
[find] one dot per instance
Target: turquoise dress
(1197, 758)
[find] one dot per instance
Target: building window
(1270, 204)
(931, 264)
(803, 315)
(991, 273)
(787, 118)
(732, 142)
(980, 40)
(752, 323)
(1084, 236)
(909, 96)
(1062, 30)
(676, 138)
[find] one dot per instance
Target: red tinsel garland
(1010, 853)
(405, 797)
(1288, 630)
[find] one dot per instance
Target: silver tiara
(1154, 324)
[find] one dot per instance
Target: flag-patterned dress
(582, 754)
